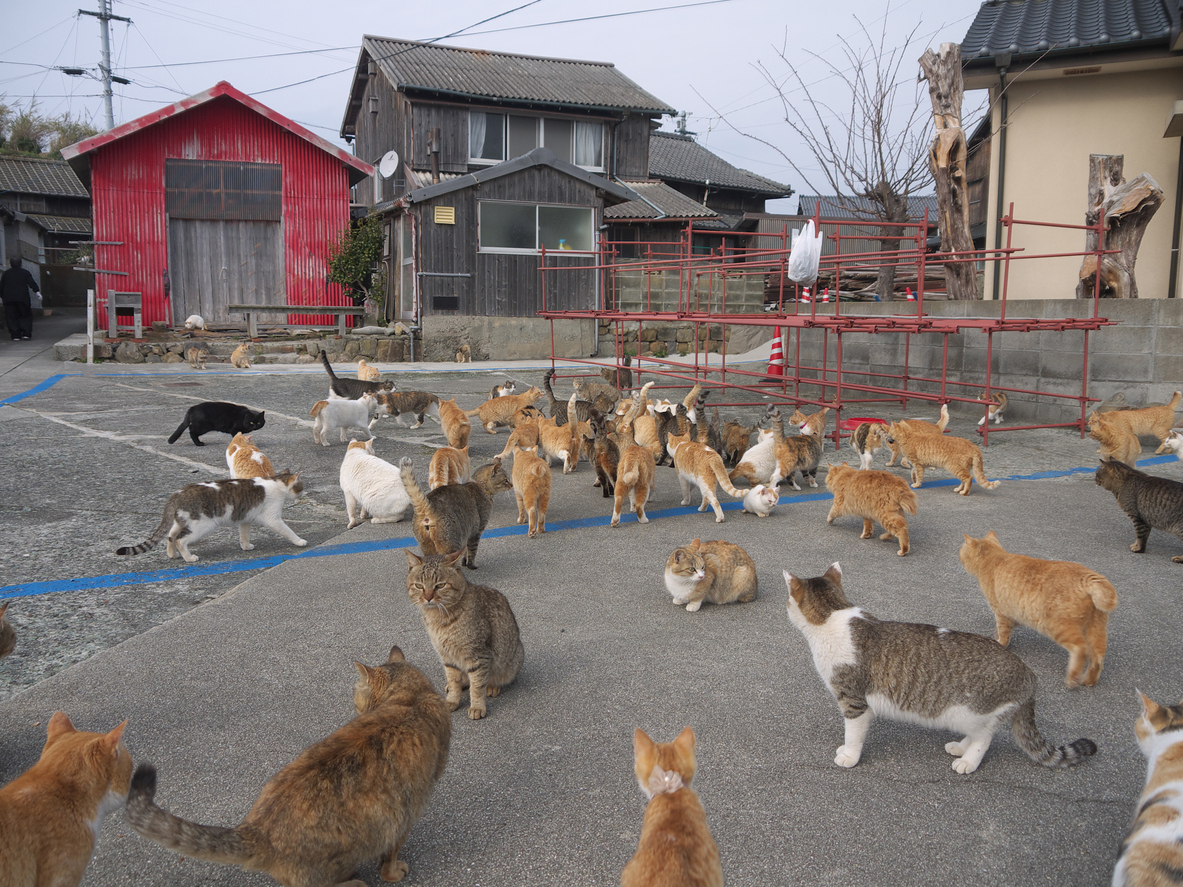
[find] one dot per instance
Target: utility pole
(104, 16)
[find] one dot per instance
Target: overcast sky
(697, 57)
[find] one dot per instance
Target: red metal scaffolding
(702, 300)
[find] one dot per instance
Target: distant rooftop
(834, 207)
(36, 175)
(680, 158)
(657, 201)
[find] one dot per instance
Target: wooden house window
(493, 138)
(215, 189)
(527, 227)
(486, 138)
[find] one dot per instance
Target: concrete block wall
(1141, 356)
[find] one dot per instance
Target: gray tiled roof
(659, 200)
(679, 158)
(498, 76)
(62, 224)
(862, 208)
(33, 175)
(1068, 26)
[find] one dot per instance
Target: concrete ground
(227, 668)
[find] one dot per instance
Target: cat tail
(1102, 592)
(152, 541)
(943, 422)
(1175, 400)
(418, 500)
(1038, 748)
(910, 502)
(550, 394)
(180, 429)
(980, 473)
(631, 475)
(324, 359)
(720, 471)
(472, 414)
(211, 843)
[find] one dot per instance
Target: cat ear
(642, 744)
(454, 558)
(836, 569)
(395, 655)
(110, 741)
(60, 723)
(363, 670)
(413, 560)
(685, 741)
(789, 579)
(993, 536)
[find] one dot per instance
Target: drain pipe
(1173, 282)
(1002, 61)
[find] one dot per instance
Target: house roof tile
(62, 224)
(35, 175)
(658, 201)
(1067, 27)
(860, 208)
(679, 158)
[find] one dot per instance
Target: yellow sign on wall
(445, 215)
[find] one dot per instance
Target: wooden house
(212, 201)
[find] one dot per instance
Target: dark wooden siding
(452, 121)
(632, 148)
(977, 176)
(379, 129)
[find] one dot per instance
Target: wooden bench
(252, 312)
(116, 302)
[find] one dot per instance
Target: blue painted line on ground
(37, 389)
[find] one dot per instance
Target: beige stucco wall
(1055, 124)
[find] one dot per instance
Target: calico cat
(373, 487)
(867, 440)
(605, 454)
(244, 459)
(197, 357)
(814, 423)
(226, 418)
(341, 414)
(676, 848)
(698, 465)
(918, 425)
(921, 674)
(7, 633)
(995, 408)
(717, 572)
(195, 511)
(960, 457)
(1174, 443)
(347, 388)
(873, 496)
(498, 411)
(50, 815)
(455, 424)
(1148, 421)
(240, 358)
(452, 518)
(367, 373)
(737, 437)
(400, 404)
(471, 627)
(348, 799)
(558, 408)
(531, 487)
(799, 453)
(1149, 501)
(634, 477)
(1152, 854)
(1117, 441)
(619, 376)
(1059, 599)
(760, 500)
(449, 466)
(501, 390)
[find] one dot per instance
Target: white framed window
(589, 145)
(486, 138)
(527, 227)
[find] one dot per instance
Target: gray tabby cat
(452, 517)
(921, 674)
(195, 511)
(471, 627)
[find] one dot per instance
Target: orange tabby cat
(531, 487)
(920, 425)
(1117, 441)
(676, 848)
(241, 357)
(699, 465)
(1059, 599)
(499, 411)
(455, 424)
(873, 496)
(1148, 421)
(50, 814)
(560, 442)
(367, 373)
(449, 465)
(717, 572)
(247, 460)
(958, 456)
(634, 475)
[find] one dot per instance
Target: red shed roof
(77, 155)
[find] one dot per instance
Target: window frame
(537, 250)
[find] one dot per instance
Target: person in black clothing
(14, 290)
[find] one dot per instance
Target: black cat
(352, 389)
(228, 418)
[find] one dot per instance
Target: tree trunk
(1129, 207)
(895, 209)
(946, 156)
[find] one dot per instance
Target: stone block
(368, 346)
(684, 335)
(173, 357)
(1121, 367)
(128, 353)
(1122, 339)
(1013, 363)
(1168, 369)
(1062, 365)
(648, 335)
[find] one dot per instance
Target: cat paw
(190, 558)
(956, 749)
(1137, 548)
(247, 546)
(1177, 560)
(492, 692)
(354, 523)
(847, 757)
(615, 522)
(299, 543)
(693, 607)
(642, 519)
(962, 766)
(718, 519)
(865, 535)
(394, 870)
(405, 462)
(475, 714)
(453, 703)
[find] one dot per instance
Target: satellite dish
(388, 165)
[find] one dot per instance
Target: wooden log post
(947, 156)
(1129, 207)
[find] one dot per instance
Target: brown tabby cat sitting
(452, 517)
(348, 799)
(676, 848)
(471, 627)
(50, 814)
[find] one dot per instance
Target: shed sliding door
(214, 263)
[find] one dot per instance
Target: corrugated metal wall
(127, 178)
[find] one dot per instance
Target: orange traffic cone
(776, 359)
(911, 298)
(826, 295)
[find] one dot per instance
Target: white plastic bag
(805, 256)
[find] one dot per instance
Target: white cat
(758, 462)
(342, 414)
(1174, 443)
(759, 500)
(194, 322)
(373, 487)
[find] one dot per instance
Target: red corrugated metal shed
(124, 171)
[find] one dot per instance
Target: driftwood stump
(947, 156)
(1129, 207)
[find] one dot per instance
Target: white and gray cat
(921, 674)
(195, 511)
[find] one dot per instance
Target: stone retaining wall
(347, 349)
